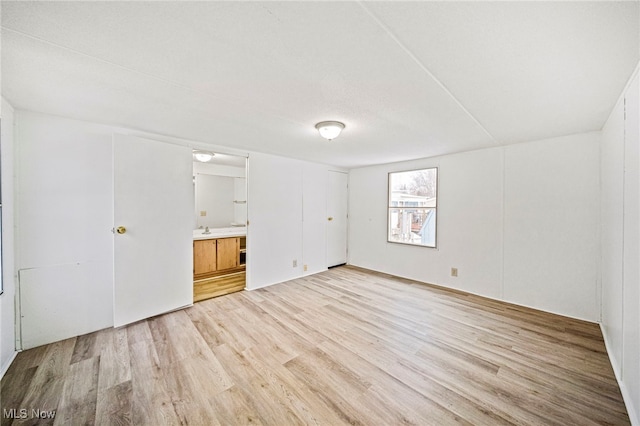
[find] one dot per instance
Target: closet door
(337, 197)
(153, 221)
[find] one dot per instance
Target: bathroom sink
(199, 234)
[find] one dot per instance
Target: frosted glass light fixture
(330, 129)
(203, 156)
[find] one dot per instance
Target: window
(412, 207)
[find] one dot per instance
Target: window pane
(416, 188)
(413, 226)
(412, 207)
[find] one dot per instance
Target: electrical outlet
(305, 268)
(454, 272)
(295, 263)
(203, 213)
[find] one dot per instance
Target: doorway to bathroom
(220, 224)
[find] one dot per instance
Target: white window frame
(428, 220)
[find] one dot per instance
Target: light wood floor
(347, 346)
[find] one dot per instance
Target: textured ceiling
(409, 79)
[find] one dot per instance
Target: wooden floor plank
(44, 391)
(115, 365)
(150, 400)
(114, 405)
(263, 397)
(79, 396)
(14, 388)
(346, 346)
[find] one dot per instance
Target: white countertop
(233, 231)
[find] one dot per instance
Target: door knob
(121, 229)
(329, 218)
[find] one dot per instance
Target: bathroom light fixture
(330, 129)
(203, 156)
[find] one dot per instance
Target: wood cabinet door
(228, 252)
(204, 256)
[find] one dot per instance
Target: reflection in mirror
(220, 192)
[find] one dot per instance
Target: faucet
(206, 230)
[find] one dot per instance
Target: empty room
(320, 212)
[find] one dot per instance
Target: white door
(153, 202)
(337, 196)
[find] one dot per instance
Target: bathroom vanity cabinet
(218, 266)
(215, 255)
(228, 255)
(205, 259)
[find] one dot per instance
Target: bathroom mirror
(220, 192)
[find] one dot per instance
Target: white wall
(612, 232)
(218, 169)
(65, 215)
(520, 223)
(214, 197)
(620, 211)
(240, 201)
(631, 248)
(274, 235)
(314, 220)
(287, 219)
(7, 299)
(64, 244)
(551, 225)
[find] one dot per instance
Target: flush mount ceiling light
(203, 156)
(330, 129)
